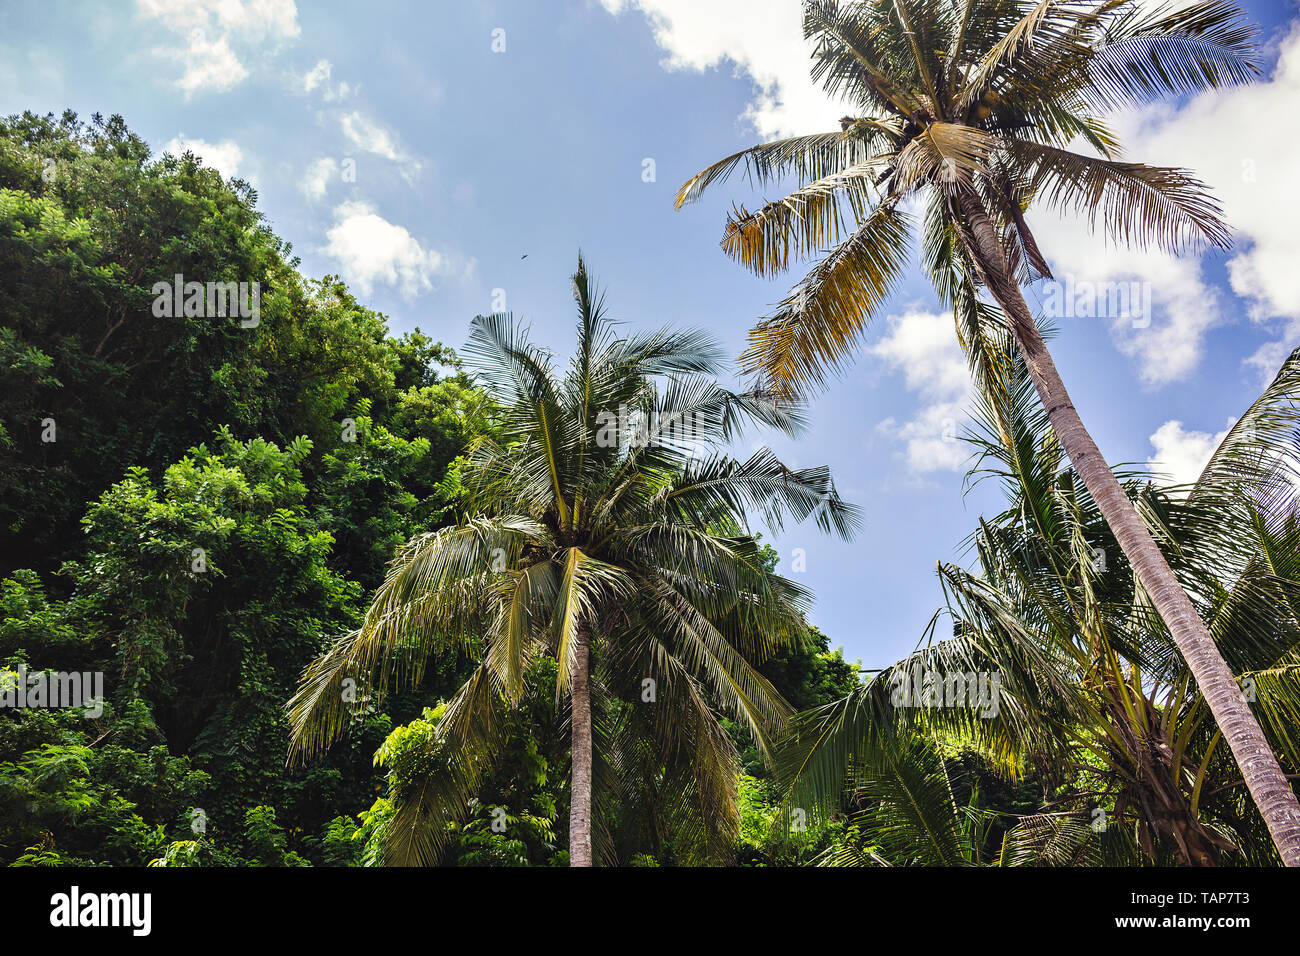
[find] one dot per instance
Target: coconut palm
(903, 810)
(1092, 691)
(608, 532)
(967, 109)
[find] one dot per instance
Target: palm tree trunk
(580, 750)
(1259, 767)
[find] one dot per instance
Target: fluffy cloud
(210, 64)
(315, 182)
(318, 74)
(761, 38)
(1167, 339)
(1180, 455)
(225, 156)
(318, 77)
(924, 348)
(1252, 165)
(1235, 141)
(371, 250)
(371, 137)
(271, 19)
(212, 31)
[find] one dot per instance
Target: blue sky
(393, 145)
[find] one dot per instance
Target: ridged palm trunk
(580, 750)
(1259, 767)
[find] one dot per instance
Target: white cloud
(211, 36)
(370, 136)
(318, 77)
(210, 64)
(372, 250)
(1232, 141)
(932, 438)
(923, 346)
(1168, 341)
(1181, 455)
(318, 74)
(761, 38)
(226, 157)
(252, 19)
(1236, 141)
(315, 182)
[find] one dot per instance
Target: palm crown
(611, 515)
(959, 99)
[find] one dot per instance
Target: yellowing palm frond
(817, 325)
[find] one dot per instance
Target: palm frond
(805, 222)
(1137, 204)
(1173, 49)
(817, 325)
(807, 158)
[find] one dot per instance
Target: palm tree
(967, 108)
(609, 534)
(905, 813)
(1092, 688)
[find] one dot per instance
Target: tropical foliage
(608, 533)
(1094, 700)
(970, 111)
(353, 598)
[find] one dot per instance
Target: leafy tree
(93, 382)
(294, 522)
(812, 674)
(69, 795)
(511, 818)
(238, 598)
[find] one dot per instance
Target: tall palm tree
(608, 532)
(1091, 686)
(967, 109)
